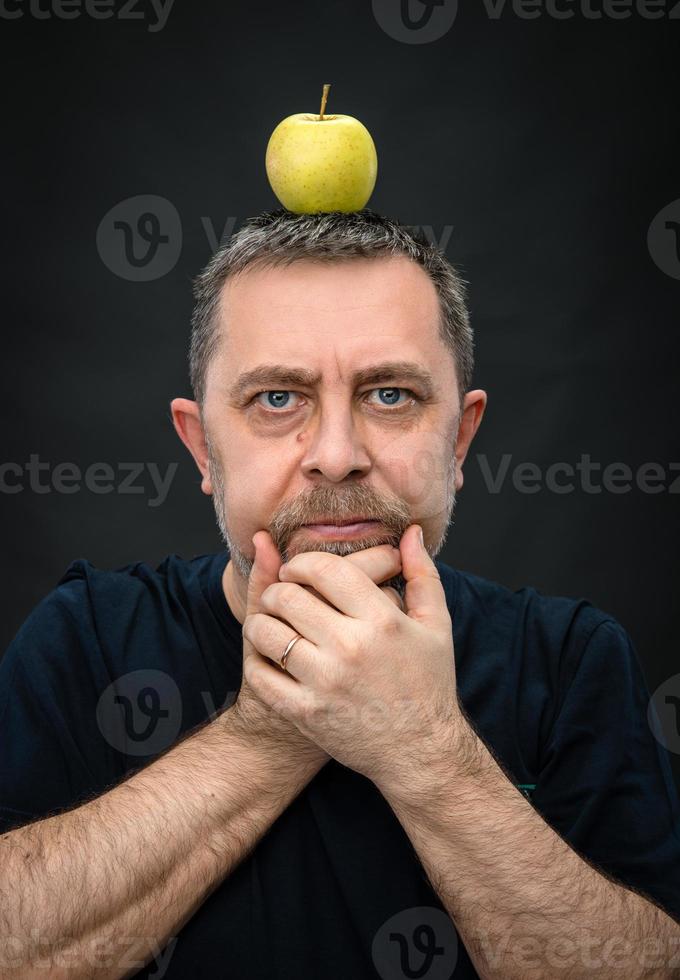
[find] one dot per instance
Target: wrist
(449, 754)
(273, 738)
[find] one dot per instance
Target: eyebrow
(280, 374)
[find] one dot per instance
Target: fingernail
(422, 539)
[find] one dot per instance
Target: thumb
(265, 570)
(424, 595)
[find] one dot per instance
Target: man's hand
(256, 716)
(370, 684)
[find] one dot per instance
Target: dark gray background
(542, 148)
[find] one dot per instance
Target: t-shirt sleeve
(51, 752)
(605, 781)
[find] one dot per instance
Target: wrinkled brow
(283, 376)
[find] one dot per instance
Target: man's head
(330, 360)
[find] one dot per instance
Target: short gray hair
(276, 238)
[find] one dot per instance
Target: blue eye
(392, 394)
(279, 398)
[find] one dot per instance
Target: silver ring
(284, 658)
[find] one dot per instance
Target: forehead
(309, 300)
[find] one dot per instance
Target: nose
(336, 444)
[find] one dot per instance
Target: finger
(424, 595)
(306, 619)
(270, 637)
(341, 582)
(265, 572)
(379, 563)
(389, 590)
(295, 605)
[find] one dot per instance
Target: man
(423, 773)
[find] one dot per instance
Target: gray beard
(395, 518)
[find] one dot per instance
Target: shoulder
(82, 575)
(481, 596)
(109, 591)
(525, 658)
(90, 606)
(537, 628)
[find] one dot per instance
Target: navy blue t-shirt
(112, 667)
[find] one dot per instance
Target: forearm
(140, 859)
(525, 904)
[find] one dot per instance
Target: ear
(473, 410)
(186, 418)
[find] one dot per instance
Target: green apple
(321, 162)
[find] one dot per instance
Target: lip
(333, 522)
(344, 530)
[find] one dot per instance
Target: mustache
(340, 503)
(325, 506)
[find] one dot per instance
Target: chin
(338, 546)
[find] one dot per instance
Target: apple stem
(324, 98)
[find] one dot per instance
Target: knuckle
(279, 594)
(355, 643)
(325, 562)
(388, 624)
(348, 667)
(353, 591)
(287, 594)
(297, 560)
